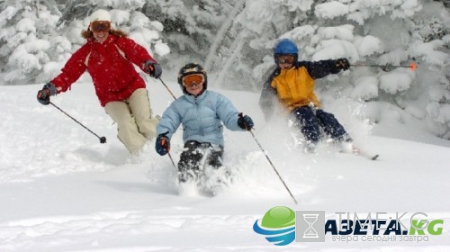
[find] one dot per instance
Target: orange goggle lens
(193, 79)
(286, 59)
(98, 26)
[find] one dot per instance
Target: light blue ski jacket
(201, 117)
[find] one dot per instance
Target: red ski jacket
(110, 65)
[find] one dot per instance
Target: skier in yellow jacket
(292, 84)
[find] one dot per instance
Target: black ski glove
(43, 95)
(162, 144)
(245, 122)
(342, 64)
(153, 68)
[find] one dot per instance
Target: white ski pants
(134, 120)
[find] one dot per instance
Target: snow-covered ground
(61, 190)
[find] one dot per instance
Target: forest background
(233, 40)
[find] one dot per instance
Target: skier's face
(285, 66)
(101, 36)
(194, 83)
(100, 30)
(195, 89)
(286, 58)
(286, 61)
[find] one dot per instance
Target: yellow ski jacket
(294, 87)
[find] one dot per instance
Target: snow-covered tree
(367, 32)
(27, 40)
(127, 15)
(36, 40)
(233, 39)
(254, 31)
(190, 27)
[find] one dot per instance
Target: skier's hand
(43, 95)
(342, 64)
(245, 122)
(153, 68)
(162, 145)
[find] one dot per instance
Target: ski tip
(374, 157)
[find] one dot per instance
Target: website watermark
(282, 226)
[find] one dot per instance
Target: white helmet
(100, 15)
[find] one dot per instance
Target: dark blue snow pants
(193, 154)
(310, 122)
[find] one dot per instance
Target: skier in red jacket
(109, 57)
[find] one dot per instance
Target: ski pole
(171, 159)
(102, 139)
(167, 88)
(387, 67)
(270, 162)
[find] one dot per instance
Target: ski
(346, 147)
(357, 151)
(370, 156)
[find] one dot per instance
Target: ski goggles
(286, 59)
(98, 26)
(193, 79)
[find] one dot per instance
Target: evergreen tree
(234, 41)
(190, 26)
(26, 35)
(365, 32)
(36, 40)
(256, 29)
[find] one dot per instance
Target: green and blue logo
(277, 225)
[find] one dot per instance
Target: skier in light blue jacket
(203, 114)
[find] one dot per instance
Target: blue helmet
(286, 47)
